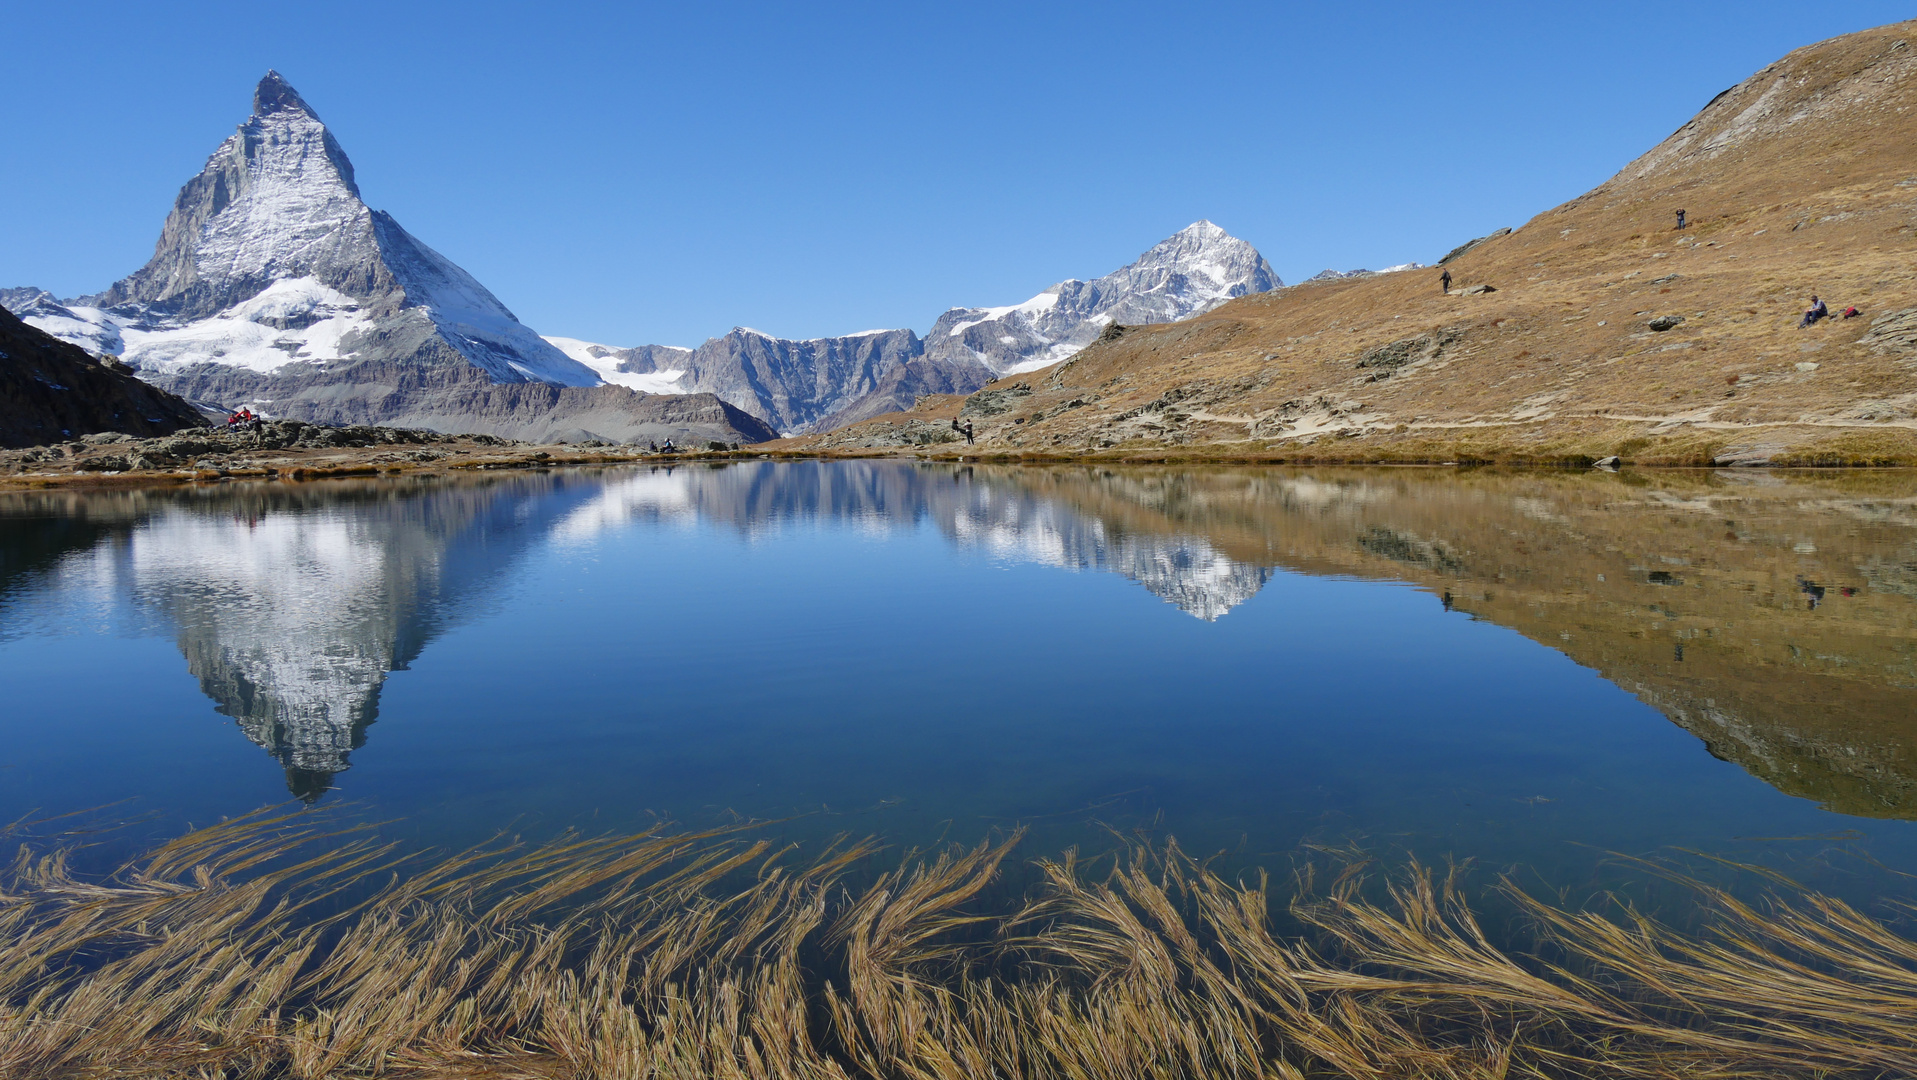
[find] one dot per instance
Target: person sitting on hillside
(1817, 311)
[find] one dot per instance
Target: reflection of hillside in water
(292, 603)
(1774, 616)
(974, 507)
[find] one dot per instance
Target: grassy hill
(1801, 180)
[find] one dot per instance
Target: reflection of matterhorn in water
(292, 605)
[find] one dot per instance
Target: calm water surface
(1527, 669)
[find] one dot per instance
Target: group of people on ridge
(241, 419)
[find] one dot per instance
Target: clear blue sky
(634, 173)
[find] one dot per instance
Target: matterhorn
(275, 286)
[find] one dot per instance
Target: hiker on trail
(1817, 311)
(968, 433)
(1444, 283)
(1680, 221)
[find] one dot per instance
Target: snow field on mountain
(244, 336)
(606, 367)
(86, 327)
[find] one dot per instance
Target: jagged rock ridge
(825, 383)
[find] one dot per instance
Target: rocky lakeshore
(296, 450)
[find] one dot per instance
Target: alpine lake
(1553, 674)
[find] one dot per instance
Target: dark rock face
(904, 384)
(796, 384)
(51, 390)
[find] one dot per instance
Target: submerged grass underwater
(275, 947)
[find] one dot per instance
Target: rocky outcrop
(52, 390)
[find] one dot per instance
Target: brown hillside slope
(1801, 180)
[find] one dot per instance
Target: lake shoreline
(295, 466)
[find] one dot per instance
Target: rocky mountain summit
(274, 285)
(826, 383)
(1190, 272)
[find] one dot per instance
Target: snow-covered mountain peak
(276, 213)
(1190, 272)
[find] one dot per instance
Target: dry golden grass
(272, 948)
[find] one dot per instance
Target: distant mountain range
(824, 383)
(274, 285)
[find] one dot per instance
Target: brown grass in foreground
(233, 952)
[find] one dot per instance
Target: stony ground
(292, 450)
(1604, 331)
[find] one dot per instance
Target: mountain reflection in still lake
(1774, 617)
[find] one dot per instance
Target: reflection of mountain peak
(292, 605)
(1191, 574)
(1182, 570)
